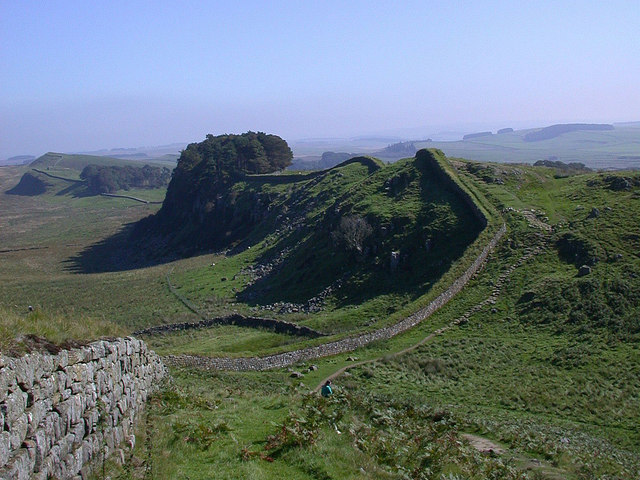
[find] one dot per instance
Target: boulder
(584, 270)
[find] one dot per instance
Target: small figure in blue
(326, 389)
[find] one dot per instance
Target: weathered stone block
(18, 431)
(7, 383)
(75, 356)
(15, 403)
(5, 448)
(62, 381)
(47, 366)
(17, 468)
(78, 430)
(23, 370)
(36, 414)
(61, 360)
(42, 446)
(98, 350)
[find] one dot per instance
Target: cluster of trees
(226, 157)
(206, 169)
(109, 179)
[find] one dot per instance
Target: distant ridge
(18, 160)
(553, 131)
(476, 135)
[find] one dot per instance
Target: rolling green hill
(373, 235)
(66, 161)
(65, 174)
(536, 357)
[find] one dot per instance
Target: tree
(352, 232)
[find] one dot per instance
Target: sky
(78, 75)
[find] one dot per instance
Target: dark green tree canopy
(236, 155)
(109, 179)
(207, 168)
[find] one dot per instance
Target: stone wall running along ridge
(59, 412)
(340, 346)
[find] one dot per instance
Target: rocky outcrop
(59, 412)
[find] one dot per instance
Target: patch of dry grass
(39, 330)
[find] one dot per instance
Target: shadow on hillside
(29, 186)
(118, 253)
(76, 190)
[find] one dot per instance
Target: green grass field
(549, 372)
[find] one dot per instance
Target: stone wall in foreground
(59, 412)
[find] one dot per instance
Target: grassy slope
(370, 295)
(565, 405)
(530, 386)
(40, 237)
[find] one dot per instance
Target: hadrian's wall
(352, 343)
(59, 412)
(340, 346)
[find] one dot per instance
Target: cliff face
(204, 206)
(354, 224)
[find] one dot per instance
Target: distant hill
(326, 160)
(554, 131)
(77, 162)
(597, 146)
(158, 152)
(476, 135)
(30, 185)
(17, 160)
(86, 175)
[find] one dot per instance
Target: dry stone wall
(352, 343)
(340, 346)
(278, 326)
(59, 412)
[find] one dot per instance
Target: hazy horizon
(82, 77)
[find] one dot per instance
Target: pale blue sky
(89, 75)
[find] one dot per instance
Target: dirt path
(483, 445)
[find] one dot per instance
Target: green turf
(555, 384)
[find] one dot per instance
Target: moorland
(532, 371)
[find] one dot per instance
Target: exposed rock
(584, 270)
(394, 261)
